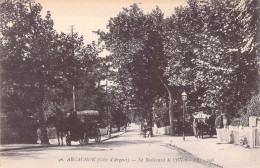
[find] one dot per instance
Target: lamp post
(184, 99)
(73, 98)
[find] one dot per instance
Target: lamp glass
(184, 96)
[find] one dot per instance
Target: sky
(90, 15)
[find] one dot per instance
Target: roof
(87, 112)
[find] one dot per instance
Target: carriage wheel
(68, 140)
(85, 140)
(81, 142)
(98, 137)
(210, 133)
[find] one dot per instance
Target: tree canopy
(39, 66)
(208, 49)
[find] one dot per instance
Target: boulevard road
(128, 150)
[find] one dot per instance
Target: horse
(61, 125)
(199, 128)
(202, 127)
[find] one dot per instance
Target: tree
(204, 41)
(26, 43)
(38, 65)
(236, 71)
(249, 18)
(90, 94)
(136, 43)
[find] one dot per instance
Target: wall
(103, 131)
(235, 134)
(161, 131)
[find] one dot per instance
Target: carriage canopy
(87, 113)
(200, 115)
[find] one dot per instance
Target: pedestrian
(218, 126)
(142, 125)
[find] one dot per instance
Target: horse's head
(201, 124)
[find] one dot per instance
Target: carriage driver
(73, 121)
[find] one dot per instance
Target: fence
(248, 136)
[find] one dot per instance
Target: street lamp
(184, 99)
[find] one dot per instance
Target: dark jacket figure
(73, 122)
(142, 126)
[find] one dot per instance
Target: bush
(235, 122)
(243, 121)
(18, 130)
(253, 107)
(162, 118)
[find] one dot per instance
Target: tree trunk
(171, 115)
(109, 122)
(43, 137)
(150, 120)
(171, 112)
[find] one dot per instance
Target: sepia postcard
(129, 83)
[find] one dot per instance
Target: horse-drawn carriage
(82, 127)
(203, 124)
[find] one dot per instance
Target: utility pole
(107, 105)
(73, 87)
(108, 108)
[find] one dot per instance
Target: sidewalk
(225, 155)
(53, 143)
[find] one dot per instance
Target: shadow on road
(186, 156)
(131, 137)
(20, 155)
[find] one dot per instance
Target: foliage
(203, 44)
(199, 49)
(210, 50)
(39, 66)
(160, 112)
(243, 121)
(253, 107)
(26, 44)
(135, 40)
(236, 122)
